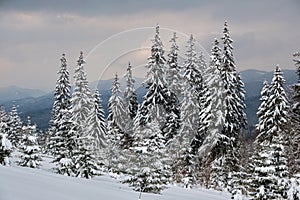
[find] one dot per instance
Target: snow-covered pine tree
(234, 120)
(5, 147)
(62, 97)
(30, 149)
(86, 163)
(155, 100)
(15, 127)
(63, 144)
(173, 73)
(97, 129)
(118, 140)
(184, 164)
(294, 148)
(277, 113)
(130, 96)
(269, 162)
(210, 148)
(262, 112)
(117, 118)
(149, 167)
(81, 98)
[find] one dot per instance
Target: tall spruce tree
(15, 127)
(130, 96)
(173, 74)
(117, 118)
(81, 97)
(63, 144)
(30, 149)
(294, 148)
(262, 112)
(97, 128)
(155, 100)
(62, 95)
(62, 101)
(269, 163)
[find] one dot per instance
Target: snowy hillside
(32, 184)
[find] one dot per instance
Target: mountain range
(38, 104)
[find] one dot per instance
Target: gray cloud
(34, 33)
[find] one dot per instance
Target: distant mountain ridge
(12, 93)
(39, 106)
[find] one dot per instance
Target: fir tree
(155, 100)
(81, 97)
(150, 166)
(86, 164)
(63, 144)
(97, 126)
(30, 150)
(62, 98)
(62, 93)
(269, 162)
(174, 77)
(130, 96)
(262, 112)
(15, 126)
(117, 117)
(5, 148)
(294, 148)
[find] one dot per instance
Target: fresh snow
(34, 184)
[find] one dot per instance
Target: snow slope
(18, 183)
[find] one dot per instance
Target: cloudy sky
(35, 33)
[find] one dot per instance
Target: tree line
(187, 130)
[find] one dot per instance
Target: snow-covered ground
(19, 183)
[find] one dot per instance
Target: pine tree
(262, 112)
(62, 98)
(5, 147)
(269, 162)
(155, 100)
(187, 139)
(30, 149)
(86, 164)
(15, 126)
(174, 77)
(63, 144)
(62, 93)
(117, 117)
(294, 148)
(97, 129)
(150, 166)
(81, 97)
(130, 96)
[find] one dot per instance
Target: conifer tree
(262, 112)
(97, 129)
(62, 100)
(294, 148)
(62, 94)
(130, 96)
(81, 97)
(187, 139)
(63, 144)
(5, 147)
(117, 117)
(15, 127)
(150, 167)
(155, 100)
(85, 162)
(30, 150)
(174, 77)
(269, 163)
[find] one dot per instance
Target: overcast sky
(34, 34)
